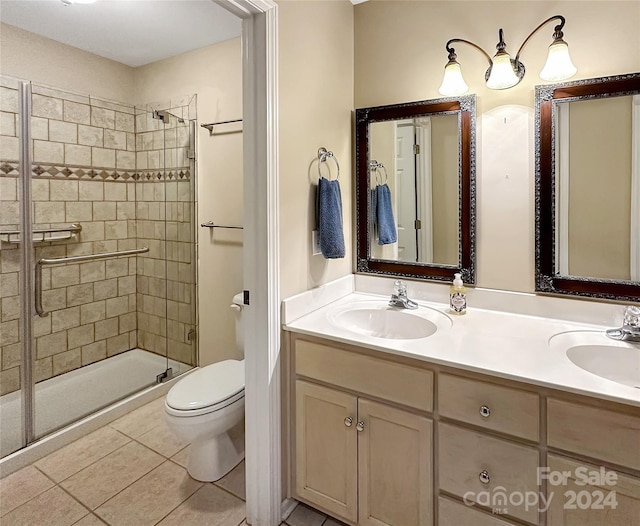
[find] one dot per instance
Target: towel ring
(375, 166)
(323, 155)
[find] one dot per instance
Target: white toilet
(206, 408)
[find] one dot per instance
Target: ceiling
(133, 32)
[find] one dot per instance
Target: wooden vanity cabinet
(611, 438)
(362, 460)
(364, 428)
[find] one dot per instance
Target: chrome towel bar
(211, 224)
(73, 259)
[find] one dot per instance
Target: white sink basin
(594, 352)
(377, 319)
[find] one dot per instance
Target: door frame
(261, 258)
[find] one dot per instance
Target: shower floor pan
(64, 399)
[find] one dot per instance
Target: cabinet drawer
(503, 409)
(452, 513)
(594, 432)
(464, 455)
(609, 502)
(395, 382)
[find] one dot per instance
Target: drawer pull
(348, 421)
(484, 477)
(360, 426)
(485, 412)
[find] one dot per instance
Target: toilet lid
(208, 386)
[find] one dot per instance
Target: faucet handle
(400, 288)
(632, 316)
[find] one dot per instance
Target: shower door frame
(27, 257)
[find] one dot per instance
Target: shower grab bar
(72, 259)
(71, 230)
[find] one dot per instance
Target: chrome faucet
(630, 330)
(399, 297)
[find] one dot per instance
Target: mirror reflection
(417, 159)
(588, 187)
(415, 188)
(598, 222)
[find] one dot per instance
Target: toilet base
(211, 458)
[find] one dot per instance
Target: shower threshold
(64, 399)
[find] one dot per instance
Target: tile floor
(128, 473)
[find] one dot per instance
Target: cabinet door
(394, 467)
(326, 449)
(576, 504)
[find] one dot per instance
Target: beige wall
(29, 56)
(316, 102)
(600, 188)
(215, 74)
(406, 40)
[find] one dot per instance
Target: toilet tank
(238, 306)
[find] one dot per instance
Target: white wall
(215, 74)
(316, 101)
(400, 56)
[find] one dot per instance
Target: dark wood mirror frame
(465, 107)
(546, 99)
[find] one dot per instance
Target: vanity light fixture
(505, 72)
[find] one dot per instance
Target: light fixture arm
(557, 32)
(452, 51)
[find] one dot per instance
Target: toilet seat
(206, 390)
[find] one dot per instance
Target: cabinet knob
(485, 412)
(348, 421)
(360, 426)
(484, 477)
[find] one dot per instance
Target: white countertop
(512, 346)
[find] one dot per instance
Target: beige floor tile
(89, 520)
(305, 516)
(21, 486)
(151, 498)
(333, 522)
(209, 505)
(181, 457)
(81, 453)
(54, 507)
(141, 420)
(234, 481)
(162, 440)
(100, 481)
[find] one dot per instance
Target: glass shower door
(15, 381)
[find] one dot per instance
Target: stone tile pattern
(164, 212)
(115, 476)
(86, 171)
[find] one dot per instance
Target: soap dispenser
(458, 296)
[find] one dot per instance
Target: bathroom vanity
(483, 422)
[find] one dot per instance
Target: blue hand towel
(387, 233)
(329, 211)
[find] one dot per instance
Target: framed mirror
(588, 187)
(415, 189)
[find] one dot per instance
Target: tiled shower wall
(164, 211)
(85, 155)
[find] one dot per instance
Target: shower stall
(97, 253)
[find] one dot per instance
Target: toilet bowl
(206, 408)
